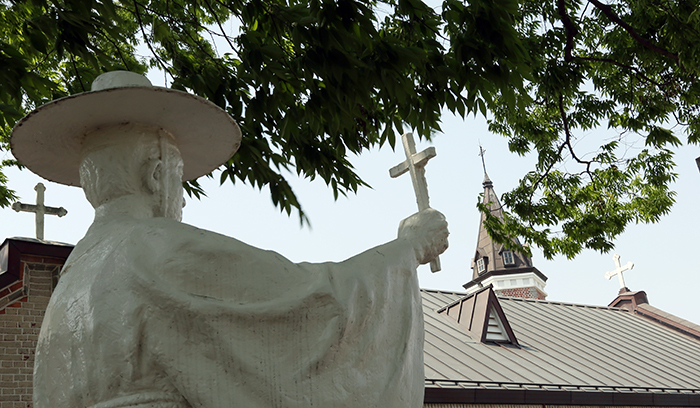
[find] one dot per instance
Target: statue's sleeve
(230, 322)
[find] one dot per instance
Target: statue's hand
(427, 232)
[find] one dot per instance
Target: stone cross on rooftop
(415, 165)
(618, 271)
(39, 210)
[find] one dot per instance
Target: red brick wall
(526, 293)
(22, 306)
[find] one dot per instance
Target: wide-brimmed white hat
(49, 140)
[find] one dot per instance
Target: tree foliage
(311, 82)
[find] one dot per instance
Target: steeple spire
(487, 180)
(511, 272)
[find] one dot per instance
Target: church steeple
(510, 272)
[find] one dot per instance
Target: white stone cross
(415, 165)
(39, 210)
(618, 271)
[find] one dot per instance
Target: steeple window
(508, 258)
(481, 265)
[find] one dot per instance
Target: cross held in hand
(39, 210)
(618, 271)
(415, 165)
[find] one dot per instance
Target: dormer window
(480, 266)
(508, 258)
(482, 316)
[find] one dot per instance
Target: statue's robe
(155, 313)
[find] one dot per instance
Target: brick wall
(22, 306)
(526, 293)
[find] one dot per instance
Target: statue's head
(127, 138)
(133, 160)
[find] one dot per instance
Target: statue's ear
(153, 175)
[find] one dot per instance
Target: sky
(665, 265)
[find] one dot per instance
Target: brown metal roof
(561, 345)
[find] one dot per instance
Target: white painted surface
(415, 164)
(119, 79)
(512, 281)
(156, 311)
(618, 270)
(49, 140)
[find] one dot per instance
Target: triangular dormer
(510, 272)
(481, 315)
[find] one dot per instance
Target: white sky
(666, 266)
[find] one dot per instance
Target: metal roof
(561, 345)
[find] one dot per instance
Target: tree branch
(546, 172)
(570, 27)
(145, 38)
(621, 65)
(608, 11)
(567, 141)
(77, 74)
(116, 46)
(184, 31)
(223, 32)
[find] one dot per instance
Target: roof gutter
(533, 394)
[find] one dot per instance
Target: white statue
(151, 312)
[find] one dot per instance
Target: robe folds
(159, 314)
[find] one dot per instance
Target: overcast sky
(664, 254)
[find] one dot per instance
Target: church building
(501, 344)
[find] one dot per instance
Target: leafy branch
(312, 82)
(608, 11)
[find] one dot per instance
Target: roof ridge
(519, 299)
(449, 292)
(669, 320)
(556, 302)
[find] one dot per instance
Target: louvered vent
(481, 315)
(495, 331)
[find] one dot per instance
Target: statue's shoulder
(148, 228)
(166, 243)
(181, 233)
(127, 234)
